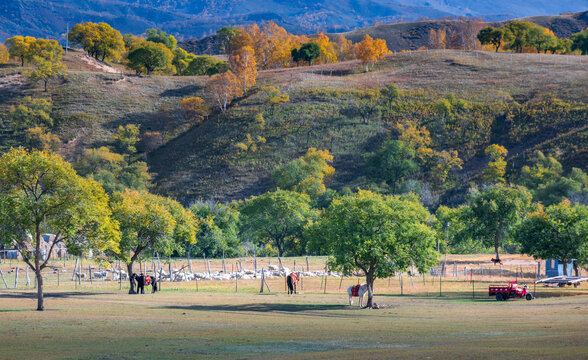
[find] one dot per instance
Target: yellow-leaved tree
(496, 168)
(223, 88)
(41, 193)
(244, 65)
(370, 51)
(195, 109)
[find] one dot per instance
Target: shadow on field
(293, 308)
(59, 295)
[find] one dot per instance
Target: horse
(357, 291)
(291, 281)
(143, 280)
(496, 261)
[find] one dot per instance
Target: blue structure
(555, 268)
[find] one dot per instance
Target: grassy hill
(522, 101)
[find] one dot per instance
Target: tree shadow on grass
(58, 295)
(287, 308)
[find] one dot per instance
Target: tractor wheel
(499, 297)
(529, 297)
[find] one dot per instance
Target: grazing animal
(496, 261)
(291, 281)
(357, 291)
(143, 280)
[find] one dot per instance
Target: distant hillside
(412, 35)
(197, 18)
(525, 102)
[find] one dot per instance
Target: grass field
(99, 321)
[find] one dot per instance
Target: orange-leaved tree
(223, 88)
(195, 109)
(369, 51)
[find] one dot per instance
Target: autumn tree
(541, 38)
(20, 46)
(491, 36)
(343, 48)
(194, 109)
(149, 57)
(244, 66)
(559, 232)
(150, 222)
(378, 235)
(306, 174)
(127, 137)
(308, 52)
(496, 168)
(4, 54)
(465, 36)
(274, 97)
(223, 88)
(160, 36)
(580, 41)
(369, 51)
(328, 51)
(40, 139)
(100, 40)
(41, 193)
(437, 38)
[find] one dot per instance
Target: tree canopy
(100, 40)
(149, 56)
(41, 193)
(379, 235)
(308, 52)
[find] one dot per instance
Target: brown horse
(291, 281)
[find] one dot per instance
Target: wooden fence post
(73, 274)
(4, 280)
(307, 267)
(16, 277)
(28, 278)
(90, 272)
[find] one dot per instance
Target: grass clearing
(98, 321)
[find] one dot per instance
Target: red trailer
(510, 291)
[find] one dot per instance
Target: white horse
(361, 292)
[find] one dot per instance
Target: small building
(555, 268)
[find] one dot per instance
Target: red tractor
(511, 291)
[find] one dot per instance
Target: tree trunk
(496, 243)
(22, 61)
(40, 306)
(565, 267)
(576, 268)
(45, 85)
(369, 279)
(131, 281)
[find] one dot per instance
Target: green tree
(149, 56)
(150, 222)
(379, 235)
(308, 52)
(219, 230)
(541, 38)
(41, 193)
(224, 37)
(496, 168)
(182, 60)
(112, 170)
(205, 65)
(494, 212)
(580, 41)
(100, 40)
(277, 218)
(517, 34)
(491, 36)
(393, 163)
(546, 182)
(31, 113)
(159, 36)
(46, 70)
(127, 137)
(558, 232)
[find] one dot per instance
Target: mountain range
(197, 18)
